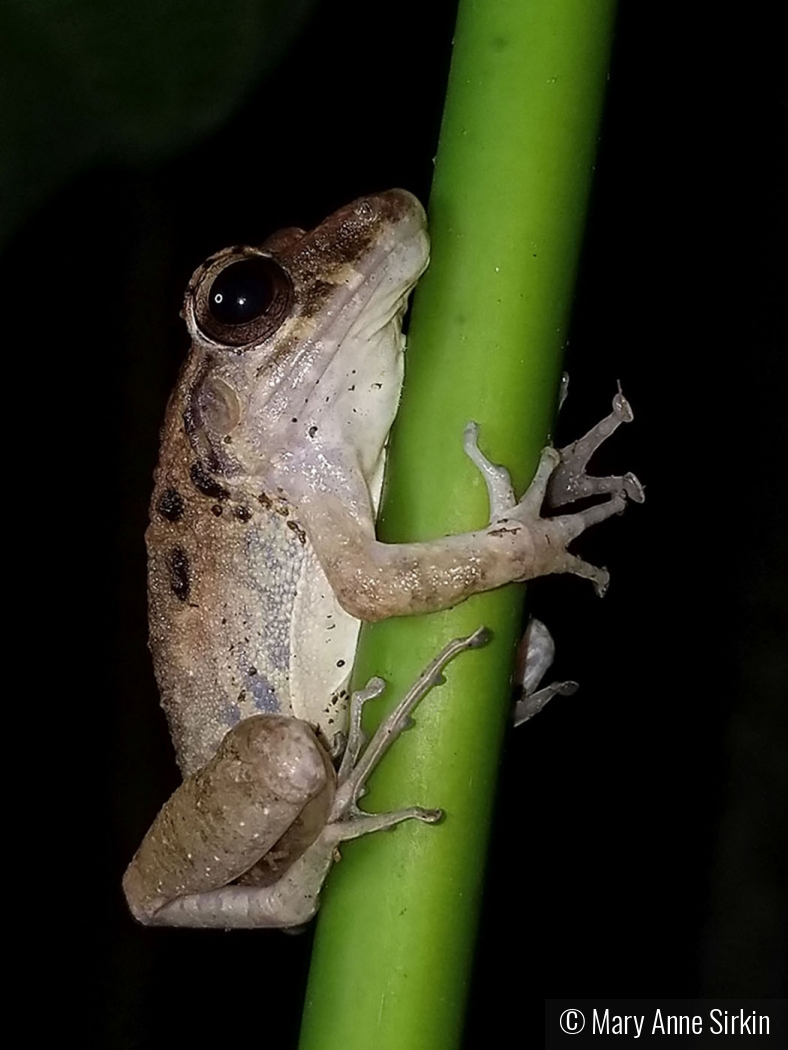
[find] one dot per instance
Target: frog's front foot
(534, 657)
(560, 478)
(569, 480)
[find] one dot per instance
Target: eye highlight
(242, 301)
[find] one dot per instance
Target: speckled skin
(240, 565)
(263, 559)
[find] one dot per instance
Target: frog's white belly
(289, 643)
(323, 637)
(323, 640)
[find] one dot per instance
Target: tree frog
(263, 561)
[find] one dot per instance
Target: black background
(640, 841)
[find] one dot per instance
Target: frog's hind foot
(346, 818)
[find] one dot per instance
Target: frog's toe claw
(470, 434)
(600, 577)
(622, 408)
(429, 816)
(481, 636)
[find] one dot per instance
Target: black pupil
(243, 291)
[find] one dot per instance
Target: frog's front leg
(375, 580)
(258, 795)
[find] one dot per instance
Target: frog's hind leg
(298, 891)
(293, 899)
(296, 894)
(269, 776)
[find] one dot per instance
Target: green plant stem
(396, 932)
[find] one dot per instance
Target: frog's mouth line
(392, 293)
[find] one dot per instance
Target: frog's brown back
(223, 565)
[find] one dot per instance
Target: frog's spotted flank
(170, 505)
(179, 573)
(204, 482)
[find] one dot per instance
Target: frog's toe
(633, 488)
(496, 478)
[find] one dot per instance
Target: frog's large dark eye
(243, 291)
(243, 301)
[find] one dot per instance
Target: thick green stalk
(397, 928)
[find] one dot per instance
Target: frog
(264, 562)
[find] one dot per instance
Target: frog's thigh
(223, 818)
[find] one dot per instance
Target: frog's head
(298, 342)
